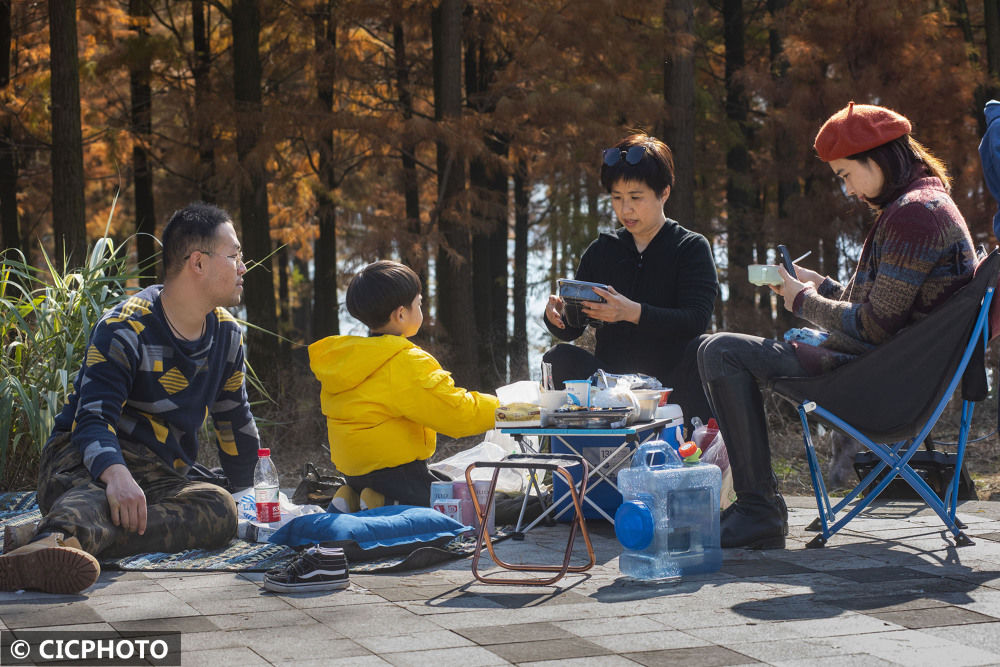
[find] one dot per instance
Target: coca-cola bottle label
(268, 508)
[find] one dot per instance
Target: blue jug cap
(634, 525)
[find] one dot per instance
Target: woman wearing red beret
(917, 254)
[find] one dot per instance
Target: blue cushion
(374, 533)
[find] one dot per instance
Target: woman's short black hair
(897, 159)
(380, 288)
(655, 169)
(191, 228)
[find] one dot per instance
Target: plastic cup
(578, 392)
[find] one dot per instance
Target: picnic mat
(241, 556)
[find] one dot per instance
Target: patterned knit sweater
(141, 383)
(917, 254)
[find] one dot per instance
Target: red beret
(857, 128)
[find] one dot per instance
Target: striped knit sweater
(140, 383)
(917, 254)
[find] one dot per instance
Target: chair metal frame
(557, 464)
(895, 457)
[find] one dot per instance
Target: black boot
(758, 519)
(782, 507)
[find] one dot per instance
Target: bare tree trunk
(488, 185)
(454, 271)
(678, 93)
(991, 15)
(490, 269)
(519, 342)
(202, 102)
(302, 312)
(414, 251)
(5, 41)
(282, 258)
(326, 306)
(142, 129)
(260, 300)
(10, 228)
(739, 193)
(69, 220)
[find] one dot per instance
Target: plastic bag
(603, 380)
(619, 396)
(251, 530)
(246, 506)
(717, 454)
(496, 446)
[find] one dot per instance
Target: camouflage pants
(180, 514)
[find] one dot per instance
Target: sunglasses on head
(633, 155)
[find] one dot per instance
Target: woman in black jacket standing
(661, 279)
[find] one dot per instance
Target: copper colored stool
(556, 464)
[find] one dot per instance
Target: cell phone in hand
(786, 260)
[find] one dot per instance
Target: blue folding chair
(890, 398)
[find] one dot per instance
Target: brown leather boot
(18, 536)
(53, 564)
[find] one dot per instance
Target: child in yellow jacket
(385, 398)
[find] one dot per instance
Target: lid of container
(634, 525)
(263, 451)
(669, 411)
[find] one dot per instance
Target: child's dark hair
(380, 288)
(655, 168)
(191, 228)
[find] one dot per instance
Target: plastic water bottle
(669, 520)
(265, 488)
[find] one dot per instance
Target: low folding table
(606, 450)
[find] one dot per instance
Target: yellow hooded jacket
(385, 398)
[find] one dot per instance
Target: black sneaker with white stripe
(315, 569)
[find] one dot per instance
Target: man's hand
(126, 499)
(554, 311)
(617, 308)
(791, 287)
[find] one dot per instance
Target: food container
(482, 489)
(450, 507)
(518, 415)
(597, 418)
(648, 399)
(441, 491)
(764, 274)
(549, 402)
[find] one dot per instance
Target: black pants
(408, 484)
(570, 362)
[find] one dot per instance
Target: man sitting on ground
(112, 475)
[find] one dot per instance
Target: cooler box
(595, 449)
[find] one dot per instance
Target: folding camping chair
(890, 398)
